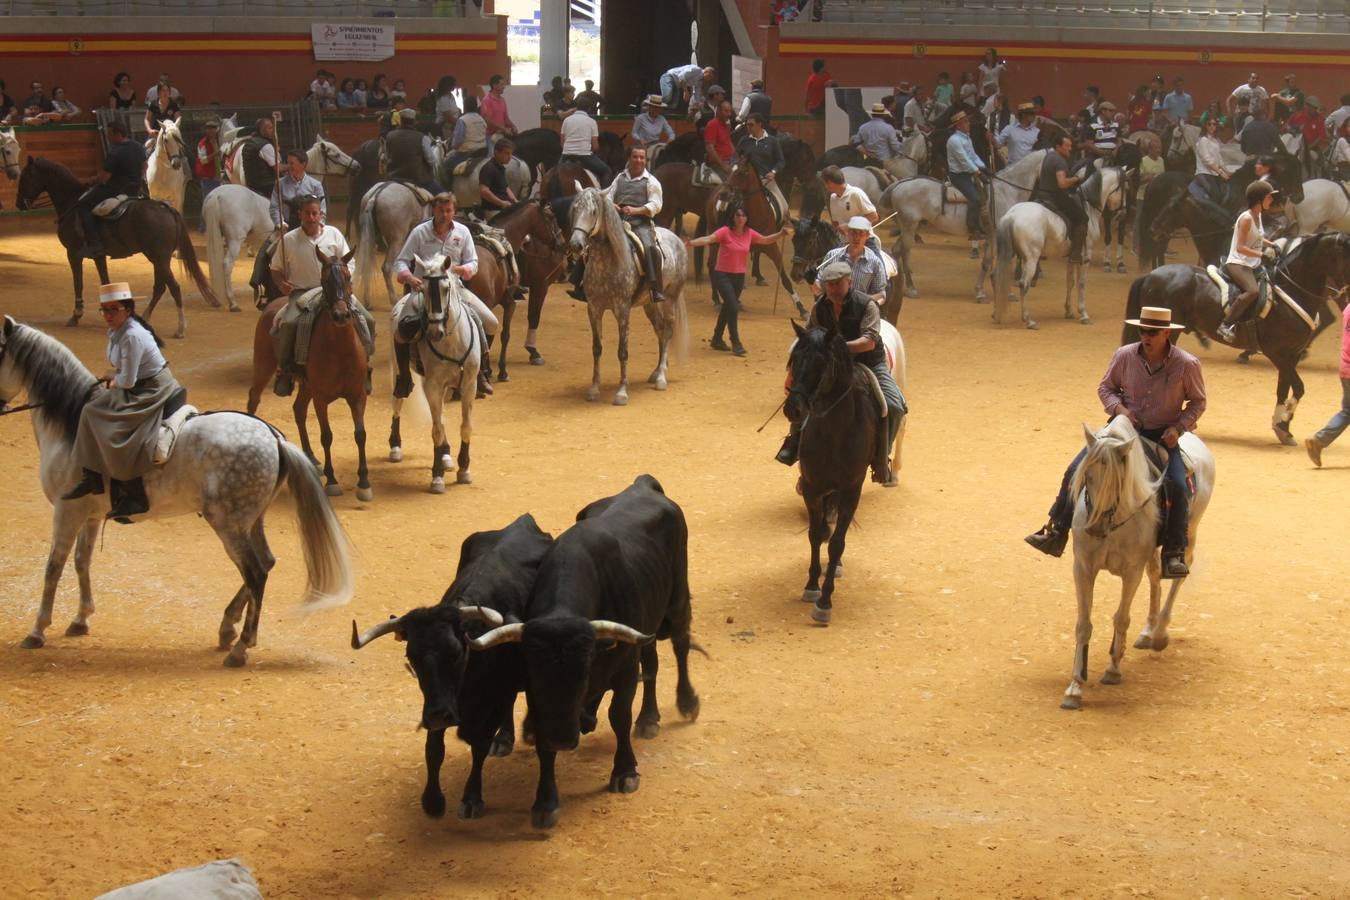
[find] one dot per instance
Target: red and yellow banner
(232, 44)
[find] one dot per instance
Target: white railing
(325, 9)
(1291, 16)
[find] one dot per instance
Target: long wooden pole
(281, 203)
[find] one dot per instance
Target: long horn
(483, 614)
(380, 630)
(506, 634)
(616, 631)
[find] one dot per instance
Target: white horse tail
(367, 233)
(1006, 245)
(215, 248)
(680, 336)
(322, 538)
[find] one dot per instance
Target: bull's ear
(797, 328)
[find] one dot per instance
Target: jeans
(1338, 422)
(728, 286)
(1174, 491)
(965, 183)
(670, 91)
(896, 407)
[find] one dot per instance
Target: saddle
(422, 194)
(705, 176)
(884, 178)
(114, 208)
(176, 413)
(494, 241)
(1228, 290)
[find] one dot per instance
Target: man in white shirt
(914, 115)
(1251, 91)
(153, 94)
(296, 271)
(439, 235)
(324, 90)
(637, 194)
(447, 107)
(581, 139)
(1339, 116)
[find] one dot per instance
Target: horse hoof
(1084, 320)
(620, 399)
(464, 477)
(77, 629)
(437, 486)
(1121, 269)
(1071, 702)
(647, 730)
(659, 384)
(32, 642)
(592, 396)
(365, 494)
(981, 298)
(913, 293)
(226, 640)
(624, 784)
(821, 615)
(1244, 358)
(72, 321)
(471, 809)
(1031, 325)
(433, 804)
(1110, 678)
(809, 596)
(1159, 644)
(760, 282)
(180, 334)
(838, 571)
(235, 660)
(545, 818)
(1144, 642)
(1285, 437)
(396, 454)
(536, 360)
(333, 490)
(234, 307)
(891, 482)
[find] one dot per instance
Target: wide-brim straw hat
(1026, 107)
(1155, 317)
(116, 292)
(879, 109)
(959, 116)
(654, 101)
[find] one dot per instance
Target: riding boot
(90, 482)
(654, 273)
(1077, 238)
(1050, 540)
(128, 499)
(1236, 313)
(787, 454)
(403, 359)
(881, 463)
(285, 347)
(578, 291)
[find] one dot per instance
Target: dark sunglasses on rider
(1149, 332)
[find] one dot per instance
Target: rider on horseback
(441, 235)
(1244, 255)
(637, 194)
(1053, 189)
(869, 269)
(259, 159)
(1160, 388)
(963, 165)
(123, 173)
(296, 271)
(765, 154)
(411, 157)
(1210, 172)
(858, 319)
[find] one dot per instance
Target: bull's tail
(188, 255)
(1006, 249)
(322, 539)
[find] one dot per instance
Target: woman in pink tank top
(728, 278)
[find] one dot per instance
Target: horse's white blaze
(9, 154)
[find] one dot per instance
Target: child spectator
(968, 91)
(399, 89)
(943, 94)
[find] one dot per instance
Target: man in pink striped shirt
(493, 109)
(1160, 388)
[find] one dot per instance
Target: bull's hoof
(689, 709)
(32, 642)
(624, 784)
(433, 804)
(1071, 702)
(235, 660)
(647, 730)
(333, 490)
(545, 818)
(396, 454)
(1109, 677)
(365, 494)
(810, 596)
(471, 809)
(77, 629)
(821, 614)
(501, 748)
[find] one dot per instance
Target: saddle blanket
(169, 430)
(1227, 295)
(114, 207)
(422, 194)
(1157, 454)
(462, 167)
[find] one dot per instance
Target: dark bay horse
(538, 147)
(541, 254)
(148, 227)
(799, 163)
(1306, 272)
(832, 399)
(679, 195)
(744, 187)
(1151, 247)
(336, 370)
(359, 181)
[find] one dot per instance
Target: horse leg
(901, 252)
(357, 405)
(623, 312)
(76, 260)
(663, 323)
(783, 277)
(596, 314)
(817, 532)
(1129, 583)
(240, 602)
(754, 267)
(331, 486)
(84, 553)
(253, 568)
(435, 394)
(538, 291)
(847, 506)
(980, 295)
(395, 438)
(1284, 406)
(1154, 571)
(300, 409)
(508, 313)
(1083, 581)
(465, 434)
(1083, 318)
(65, 529)
(1025, 283)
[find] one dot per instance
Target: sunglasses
(111, 310)
(1149, 332)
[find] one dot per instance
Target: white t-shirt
(578, 130)
(914, 111)
(301, 267)
(990, 74)
(852, 203)
(1255, 96)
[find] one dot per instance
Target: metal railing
(320, 9)
(1282, 16)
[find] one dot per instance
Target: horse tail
(322, 539)
(680, 335)
(188, 255)
(215, 248)
(1003, 266)
(367, 236)
(1133, 305)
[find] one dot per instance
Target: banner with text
(353, 41)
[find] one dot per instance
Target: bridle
(434, 285)
(1282, 269)
(9, 145)
(177, 158)
(331, 154)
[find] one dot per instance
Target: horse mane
(54, 376)
(54, 169)
(1032, 160)
(1092, 188)
(813, 198)
(609, 214)
(514, 207)
(1120, 476)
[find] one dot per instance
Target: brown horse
(744, 187)
(679, 195)
(147, 227)
(336, 370)
(541, 254)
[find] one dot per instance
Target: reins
(27, 406)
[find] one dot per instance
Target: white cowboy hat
(114, 293)
(1155, 317)
(859, 223)
(654, 101)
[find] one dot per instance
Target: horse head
(11, 380)
(1167, 219)
(812, 238)
(816, 361)
(436, 277)
(9, 154)
(327, 158)
(1114, 474)
(1288, 174)
(336, 281)
(169, 143)
(547, 230)
(743, 176)
(32, 185)
(587, 218)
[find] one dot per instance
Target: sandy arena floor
(914, 747)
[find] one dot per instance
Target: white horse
(1029, 231)
(465, 187)
(9, 154)
(323, 158)
(389, 211)
(612, 280)
(1115, 527)
(450, 357)
(919, 201)
(228, 468)
(233, 215)
(168, 169)
(1325, 207)
(1184, 137)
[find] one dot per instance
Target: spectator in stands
(1256, 96)
(1177, 106)
(62, 106)
(390, 118)
(1212, 112)
(785, 11)
(361, 93)
(1288, 99)
(163, 84)
(7, 105)
(991, 70)
(685, 83)
(294, 185)
(1243, 113)
(164, 107)
(346, 95)
(1259, 136)
(1157, 90)
(989, 104)
(378, 97)
(447, 107)
(1140, 109)
(38, 98)
(588, 101)
(816, 83)
(1002, 115)
(207, 165)
(944, 94)
(756, 101)
(1092, 95)
(968, 92)
(33, 115)
(123, 95)
(400, 89)
(553, 96)
(494, 111)
(650, 126)
(1339, 116)
(323, 90)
